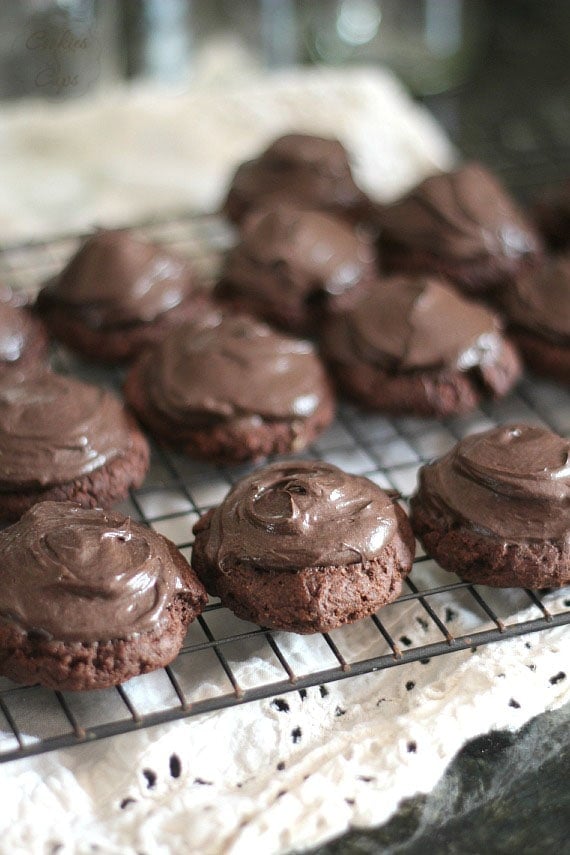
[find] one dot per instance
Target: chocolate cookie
(496, 508)
(462, 225)
(303, 546)
(537, 308)
(311, 171)
(118, 295)
(23, 338)
(290, 265)
(229, 388)
(89, 598)
(413, 345)
(552, 215)
(61, 439)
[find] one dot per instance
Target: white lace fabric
(289, 772)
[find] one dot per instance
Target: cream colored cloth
(145, 152)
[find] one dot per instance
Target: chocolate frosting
(307, 169)
(224, 367)
(408, 323)
(17, 327)
(460, 216)
(512, 482)
(554, 204)
(539, 300)
(116, 280)
(297, 514)
(85, 575)
(54, 429)
(287, 255)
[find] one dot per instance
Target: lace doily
(295, 770)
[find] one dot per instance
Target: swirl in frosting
(54, 429)
(300, 514)
(464, 216)
(116, 280)
(407, 323)
(512, 482)
(85, 575)
(223, 367)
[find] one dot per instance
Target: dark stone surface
(503, 793)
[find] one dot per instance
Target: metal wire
(209, 673)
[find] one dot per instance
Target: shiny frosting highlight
(512, 482)
(223, 367)
(54, 429)
(407, 323)
(116, 280)
(299, 514)
(85, 575)
(17, 330)
(539, 300)
(464, 215)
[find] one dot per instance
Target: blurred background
(115, 110)
(66, 48)
(471, 60)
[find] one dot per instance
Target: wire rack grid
(226, 661)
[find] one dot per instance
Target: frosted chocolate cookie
(229, 388)
(496, 508)
(537, 308)
(292, 265)
(117, 295)
(61, 439)
(414, 346)
(308, 170)
(89, 598)
(462, 225)
(305, 547)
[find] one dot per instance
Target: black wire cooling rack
(226, 661)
